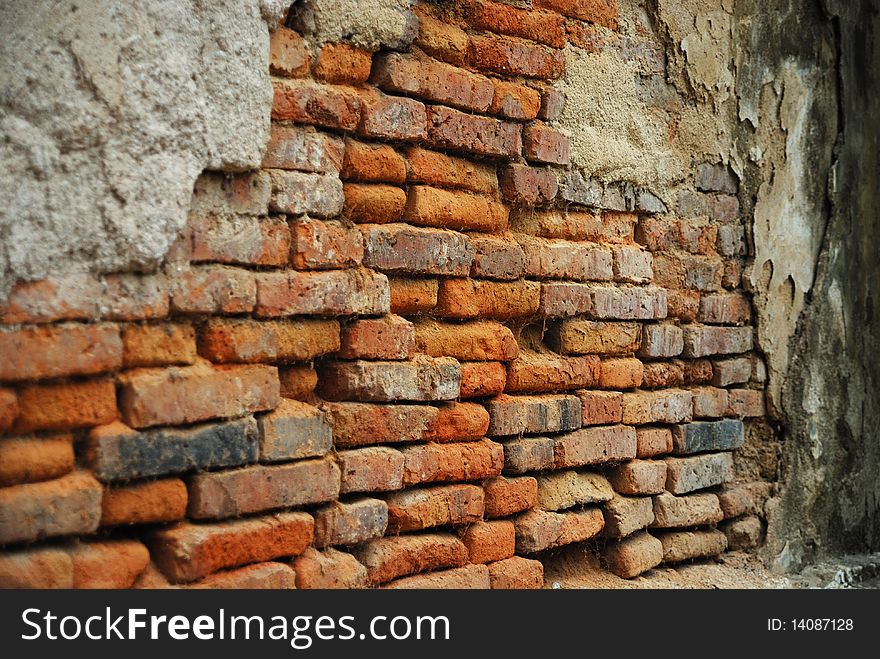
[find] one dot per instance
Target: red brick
(496, 258)
(699, 273)
(372, 163)
(351, 522)
(150, 397)
(659, 375)
(406, 249)
(34, 459)
(213, 289)
(65, 406)
(239, 239)
(130, 296)
(626, 515)
(42, 567)
(479, 379)
(392, 117)
(440, 38)
(147, 502)
(624, 373)
(659, 234)
(392, 557)
(471, 298)
(342, 64)
(243, 340)
(537, 530)
(528, 186)
(638, 477)
(263, 576)
(507, 495)
(632, 264)
(108, 564)
(601, 407)
(611, 303)
(618, 227)
(480, 340)
(698, 371)
(458, 422)
(445, 171)
(552, 103)
(601, 12)
(746, 403)
(378, 203)
(567, 225)
(371, 469)
(70, 505)
(432, 81)
(445, 209)
(74, 297)
(489, 541)
(288, 53)
(334, 292)
(422, 378)
(703, 340)
(561, 259)
(62, 350)
(512, 56)
(634, 555)
(725, 309)
(582, 337)
(386, 423)
(514, 101)
(683, 305)
(307, 102)
(302, 148)
(653, 441)
(516, 415)
(328, 569)
(410, 296)
(319, 245)
(8, 408)
(186, 552)
(469, 577)
(545, 144)
(451, 129)
(388, 337)
(294, 430)
(298, 382)
(461, 461)
(319, 195)
(542, 26)
(516, 573)
(221, 494)
(595, 445)
(534, 372)
(559, 299)
(441, 505)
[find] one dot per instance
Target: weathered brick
(622, 373)
(529, 186)
(302, 148)
(514, 101)
(433, 81)
(474, 298)
(158, 345)
(463, 461)
(35, 459)
(371, 469)
(62, 350)
(373, 202)
(552, 103)
(560, 259)
(537, 530)
(108, 564)
(515, 415)
(698, 472)
(444, 171)
(334, 292)
(634, 555)
(293, 430)
(600, 12)
(745, 403)
(224, 194)
(699, 273)
(709, 402)
(74, 297)
(542, 143)
(452, 129)
(440, 38)
(506, 495)
(653, 441)
(350, 522)
(661, 375)
(626, 515)
(318, 245)
(400, 248)
(307, 102)
(609, 303)
(221, 494)
(480, 379)
(743, 498)
(70, 505)
(731, 240)
(458, 422)
(131, 296)
(409, 296)
(468, 577)
(559, 490)
(742, 534)
(228, 340)
(343, 64)
(667, 406)
(703, 340)
(534, 372)
(513, 56)
(681, 546)
(262, 576)
(661, 340)
(516, 573)
(151, 397)
(632, 264)
(681, 512)
(480, 340)
(701, 436)
(726, 372)
(364, 424)
(542, 26)
(441, 505)
(148, 502)
(581, 337)
(446, 209)
(423, 378)
(372, 163)
(66, 406)
(496, 258)
(698, 371)
(725, 309)
(213, 289)
(392, 117)
(115, 452)
(298, 382)
(186, 552)
(601, 407)
(9, 407)
(388, 337)
(562, 224)
(596, 445)
(638, 477)
(489, 541)
(716, 177)
(288, 53)
(527, 454)
(683, 305)
(328, 569)
(391, 557)
(319, 195)
(41, 567)
(663, 234)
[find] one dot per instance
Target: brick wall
(400, 354)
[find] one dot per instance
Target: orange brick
(512, 56)
(600, 12)
(386, 423)
(307, 102)
(161, 500)
(746, 403)
(468, 577)
(443, 505)
(514, 101)
(392, 557)
(34, 459)
(458, 422)
(331, 292)
(542, 143)
(516, 573)
(213, 289)
(624, 373)
(683, 305)
(480, 340)
(445, 171)
(298, 382)
(263, 576)
(329, 568)
(321, 245)
(479, 379)
(638, 477)
(634, 555)
(288, 54)
(460, 461)
(441, 39)
(66, 406)
(42, 567)
(412, 296)
(507, 495)
(595, 445)
(47, 352)
(653, 441)
(601, 407)
(376, 203)
(725, 308)
(239, 239)
(469, 298)
(388, 337)
(656, 375)
(542, 26)
(489, 541)
(8, 408)
(158, 345)
(372, 163)
(698, 371)
(371, 469)
(342, 64)
(537, 530)
(108, 564)
(75, 297)
(444, 209)
(452, 129)
(250, 341)
(534, 372)
(565, 225)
